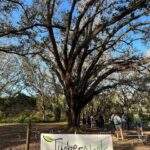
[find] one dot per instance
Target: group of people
(117, 123)
(91, 121)
(122, 123)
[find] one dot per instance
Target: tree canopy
(85, 43)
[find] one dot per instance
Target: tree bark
(76, 102)
(73, 117)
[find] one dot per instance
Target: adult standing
(138, 122)
(112, 126)
(124, 121)
(117, 122)
(128, 122)
(100, 121)
(84, 120)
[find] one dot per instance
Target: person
(100, 121)
(117, 122)
(87, 118)
(96, 120)
(91, 121)
(84, 120)
(128, 122)
(138, 122)
(124, 121)
(88, 121)
(111, 120)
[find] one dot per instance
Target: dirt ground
(12, 137)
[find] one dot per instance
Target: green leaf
(48, 139)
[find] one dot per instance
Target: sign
(76, 142)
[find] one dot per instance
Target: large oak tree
(84, 42)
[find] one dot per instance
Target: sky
(15, 16)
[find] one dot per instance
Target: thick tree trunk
(76, 102)
(73, 117)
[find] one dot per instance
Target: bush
(36, 114)
(21, 117)
(2, 115)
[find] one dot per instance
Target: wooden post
(28, 135)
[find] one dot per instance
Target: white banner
(76, 142)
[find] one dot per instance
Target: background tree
(38, 83)
(85, 42)
(10, 75)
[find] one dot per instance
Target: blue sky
(15, 16)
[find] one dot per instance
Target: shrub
(2, 115)
(21, 117)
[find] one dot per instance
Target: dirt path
(12, 137)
